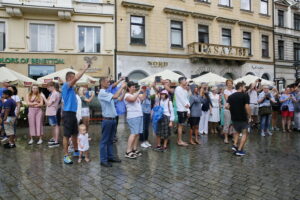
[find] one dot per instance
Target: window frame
(206, 26)
(5, 35)
(267, 2)
(143, 25)
(250, 7)
(100, 39)
(230, 36)
(43, 23)
(177, 29)
(297, 16)
(267, 54)
(248, 39)
(280, 46)
(229, 4)
(298, 50)
(280, 16)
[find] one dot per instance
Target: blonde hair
(82, 126)
(38, 95)
(81, 91)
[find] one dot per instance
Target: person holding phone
(287, 101)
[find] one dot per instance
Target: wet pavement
(270, 170)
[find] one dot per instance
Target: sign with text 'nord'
(42, 3)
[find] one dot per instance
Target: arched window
(137, 75)
(229, 76)
(250, 73)
(266, 76)
(180, 73)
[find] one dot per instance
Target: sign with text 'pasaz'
(45, 61)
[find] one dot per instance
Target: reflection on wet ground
(270, 170)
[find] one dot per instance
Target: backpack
(158, 112)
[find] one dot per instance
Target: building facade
(38, 37)
(231, 38)
(287, 40)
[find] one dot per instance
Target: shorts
(10, 126)
(52, 120)
(135, 125)
(239, 126)
(182, 117)
(287, 113)
(194, 121)
(85, 112)
(70, 124)
(254, 109)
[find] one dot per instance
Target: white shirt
(17, 99)
(253, 97)
(168, 108)
(134, 109)
(83, 144)
(214, 98)
(182, 99)
(229, 92)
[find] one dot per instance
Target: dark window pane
(280, 18)
(137, 30)
(265, 46)
(280, 50)
(203, 34)
(176, 34)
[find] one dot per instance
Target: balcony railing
(217, 51)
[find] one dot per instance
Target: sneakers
(148, 144)
(51, 141)
(55, 144)
(9, 146)
(40, 141)
(67, 160)
(158, 148)
(262, 134)
(30, 142)
(4, 139)
(144, 145)
(130, 155)
(234, 148)
(269, 133)
(240, 153)
(76, 153)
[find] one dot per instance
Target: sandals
(130, 155)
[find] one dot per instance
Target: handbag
(265, 110)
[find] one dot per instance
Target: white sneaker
(262, 134)
(30, 141)
(269, 133)
(40, 141)
(144, 145)
(148, 144)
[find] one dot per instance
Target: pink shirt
(54, 100)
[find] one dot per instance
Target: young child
(164, 125)
(83, 143)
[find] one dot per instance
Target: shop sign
(257, 67)
(158, 64)
(40, 61)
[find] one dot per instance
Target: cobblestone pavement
(270, 170)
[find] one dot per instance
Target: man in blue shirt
(109, 114)
(69, 112)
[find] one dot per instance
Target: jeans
(265, 122)
(106, 142)
(146, 124)
(117, 123)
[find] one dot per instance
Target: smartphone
(157, 79)
(56, 78)
(126, 79)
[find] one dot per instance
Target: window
(41, 37)
(246, 4)
(89, 39)
(203, 34)
(247, 41)
(280, 18)
(137, 30)
(202, 0)
(37, 71)
(297, 51)
(297, 22)
(264, 7)
(265, 76)
(2, 36)
(225, 2)
(226, 37)
(265, 45)
(137, 75)
(176, 34)
(280, 49)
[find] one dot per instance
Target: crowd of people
(227, 110)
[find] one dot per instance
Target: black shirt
(237, 102)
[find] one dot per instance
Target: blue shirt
(69, 97)
(11, 105)
(1, 91)
(107, 104)
(266, 102)
(288, 103)
(146, 103)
